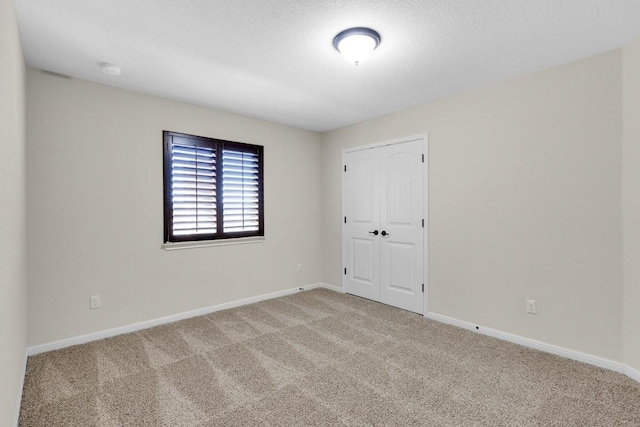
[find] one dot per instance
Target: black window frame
(218, 145)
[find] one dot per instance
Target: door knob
(384, 233)
(374, 232)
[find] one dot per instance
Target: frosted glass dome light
(356, 44)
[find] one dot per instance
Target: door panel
(362, 253)
(401, 266)
(402, 249)
(362, 212)
(364, 181)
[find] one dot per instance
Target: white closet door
(383, 238)
(362, 212)
(402, 233)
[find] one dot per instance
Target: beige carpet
(318, 358)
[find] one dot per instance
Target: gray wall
(524, 203)
(94, 168)
(13, 286)
(631, 204)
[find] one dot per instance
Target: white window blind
(194, 190)
(240, 191)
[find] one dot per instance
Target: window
(213, 189)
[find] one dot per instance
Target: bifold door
(383, 239)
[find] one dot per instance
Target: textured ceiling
(274, 60)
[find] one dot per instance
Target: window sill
(207, 243)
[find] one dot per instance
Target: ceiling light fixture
(357, 44)
(110, 69)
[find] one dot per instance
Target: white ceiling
(274, 60)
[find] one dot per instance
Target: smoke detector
(110, 69)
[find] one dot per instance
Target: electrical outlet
(531, 306)
(94, 302)
(299, 268)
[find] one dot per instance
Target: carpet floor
(318, 358)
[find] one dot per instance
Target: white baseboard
(23, 374)
(632, 373)
(526, 342)
(539, 345)
(332, 287)
(311, 287)
(323, 286)
(56, 345)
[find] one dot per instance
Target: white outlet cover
(94, 302)
(531, 306)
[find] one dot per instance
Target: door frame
(425, 266)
